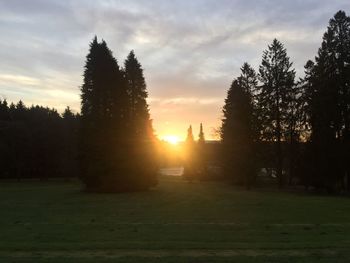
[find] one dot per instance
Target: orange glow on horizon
(172, 139)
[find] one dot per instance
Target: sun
(172, 139)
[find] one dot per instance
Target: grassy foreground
(176, 222)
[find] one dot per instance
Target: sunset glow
(175, 131)
(172, 139)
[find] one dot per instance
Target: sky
(190, 50)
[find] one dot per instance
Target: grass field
(176, 222)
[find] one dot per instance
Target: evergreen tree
(308, 163)
(296, 131)
(138, 108)
(277, 78)
(142, 143)
(117, 151)
(4, 111)
(201, 154)
(248, 79)
(237, 132)
(249, 82)
(70, 136)
(102, 119)
(21, 110)
(327, 82)
(190, 168)
(103, 91)
(32, 142)
(201, 138)
(68, 114)
(189, 137)
(240, 128)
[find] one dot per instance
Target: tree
(70, 136)
(4, 111)
(201, 138)
(21, 111)
(277, 80)
(68, 114)
(249, 82)
(189, 137)
(102, 119)
(190, 156)
(327, 82)
(142, 139)
(117, 151)
(33, 142)
(237, 129)
(338, 43)
(137, 93)
(201, 153)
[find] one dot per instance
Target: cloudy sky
(190, 49)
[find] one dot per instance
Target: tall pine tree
(190, 164)
(327, 85)
(100, 117)
(141, 144)
(138, 108)
(201, 138)
(116, 135)
(201, 153)
(277, 81)
(237, 130)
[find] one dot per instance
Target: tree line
(110, 145)
(300, 128)
(195, 156)
(37, 142)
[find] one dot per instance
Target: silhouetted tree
(249, 82)
(307, 162)
(277, 78)
(189, 137)
(201, 138)
(327, 89)
(201, 154)
(138, 109)
(97, 115)
(70, 135)
(296, 131)
(142, 144)
(4, 111)
(190, 168)
(116, 132)
(237, 128)
(32, 142)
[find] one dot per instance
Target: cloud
(190, 50)
(18, 80)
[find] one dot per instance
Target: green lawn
(176, 222)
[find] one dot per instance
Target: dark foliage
(300, 129)
(296, 130)
(327, 98)
(202, 155)
(116, 136)
(190, 158)
(274, 99)
(37, 142)
(238, 130)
